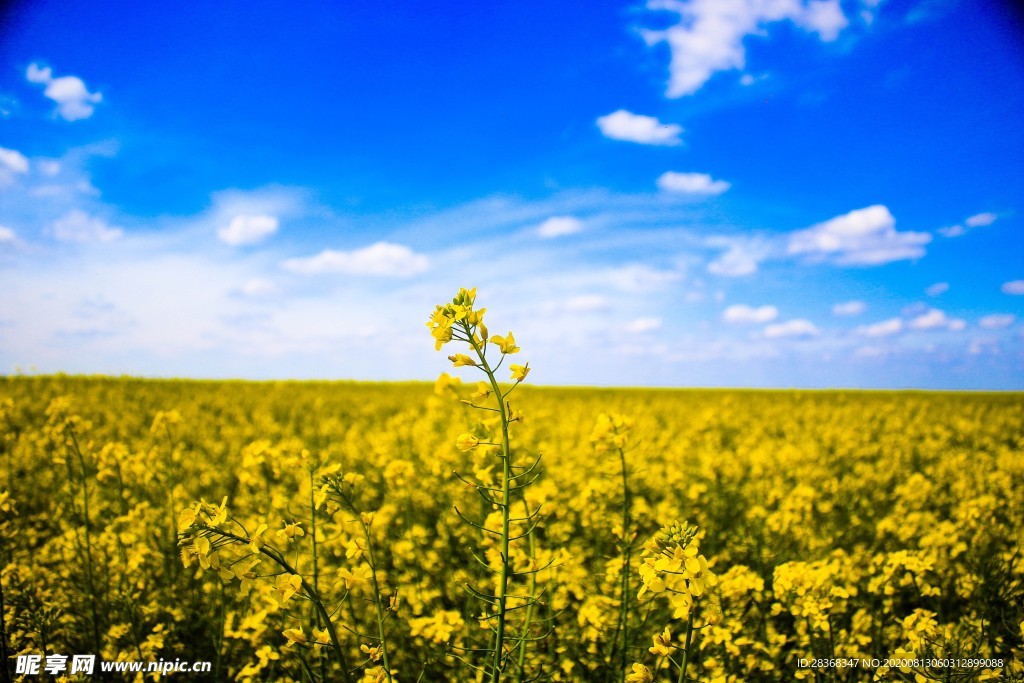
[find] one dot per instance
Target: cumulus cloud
(74, 101)
(382, 258)
(557, 226)
(691, 183)
(981, 220)
(849, 308)
(1013, 287)
(862, 237)
(884, 328)
(931, 319)
(798, 327)
(247, 229)
(997, 321)
(709, 35)
(647, 130)
(743, 314)
(13, 161)
(641, 325)
(937, 289)
(6, 234)
(78, 226)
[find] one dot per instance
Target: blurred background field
(839, 523)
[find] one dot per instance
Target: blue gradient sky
(677, 193)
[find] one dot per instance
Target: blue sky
(673, 193)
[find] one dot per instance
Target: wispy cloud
(849, 308)
(642, 325)
(586, 303)
(741, 257)
(937, 289)
(996, 321)
(744, 314)
(559, 226)
(647, 130)
(382, 258)
(981, 220)
(691, 183)
(74, 101)
(978, 220)
(78, 226)
(884, 328)
(1015, 287)
(798, 327)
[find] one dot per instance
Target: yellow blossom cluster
(832, 525)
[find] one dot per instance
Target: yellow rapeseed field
(487, 529)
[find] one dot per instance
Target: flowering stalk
(672, 567)
(609, 435)
(341, 489)
(459, 321)
(201, 537)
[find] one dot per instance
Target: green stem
(87, 526)
(377, 600)
(624, 603)
(686, 649)
(529, 606)
(316, 570)
(505, 505)
(310, 592)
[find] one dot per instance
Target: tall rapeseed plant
(459, 321)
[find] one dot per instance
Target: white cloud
(13, 160)
(641, 325)
(792, 328)
(710, 33)
(934, 319)
(49, 167)
(862, 237)
(647, 130)
(381, 258)
(952, 231)
(930, 320)
(637, 277)
(882, 329)
(981, 220)
(743, 314)
(78, 226)
(74, 101)
(6, 234)
(997, 321)
(742, 256)
(691, 183)
(557, 226)
(1013, 287)
(258, 287)
(937, 289)
(247, 229)
(848, 308)
(586, 303)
